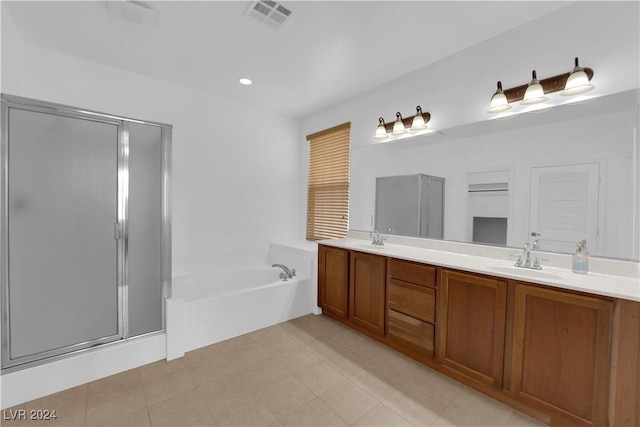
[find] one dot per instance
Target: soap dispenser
(580, 263)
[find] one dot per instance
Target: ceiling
(324, 54)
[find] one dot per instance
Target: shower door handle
(117, 231)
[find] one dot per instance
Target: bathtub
(210, 307)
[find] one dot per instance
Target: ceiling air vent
(271, 13)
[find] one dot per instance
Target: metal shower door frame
(121, 227)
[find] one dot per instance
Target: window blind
(328, 187)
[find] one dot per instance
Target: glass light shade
(534, 94)
(398, 126)
(577, 83)
(418, 123)
(498, 103)
(381, 132)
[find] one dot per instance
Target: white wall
(457, 89)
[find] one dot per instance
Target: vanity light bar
(573, 83)
(404, 127)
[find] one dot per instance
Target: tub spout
(287, 274)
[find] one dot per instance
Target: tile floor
(311, 371)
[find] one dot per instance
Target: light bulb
(534, 93)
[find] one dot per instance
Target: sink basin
(526, 273)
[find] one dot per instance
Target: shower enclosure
(86, 238)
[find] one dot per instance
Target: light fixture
(499, 101)
(534, 93)
(245, 81)
(398, 126)
(418, 121)
(381, 130)
(569, 84)
(578, 82)
(403, 128)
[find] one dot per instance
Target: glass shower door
(62, 208)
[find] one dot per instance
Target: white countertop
(595, 283)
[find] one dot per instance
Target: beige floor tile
(251, 354)
(250, 411)
(296, 358)
(207, 370)
(265, 335)
(139, 418)
(348, 401)
(518, 419)
(202, 354)
(167, 385)
(285, 396)
(452, 419)
(313, 413)
(114, 382)
(348, 363)
(207, 421)
(264, 373)
(160, 367)
(106, 405)
(225, 391)
(399, 366)
(416, 407)
(234, 344)
(480, 409)
(382, 415)
(343, 335)
(436, 385)
(280, 343)
(378, 385)
(319, 377)
(305, 336)
(327, 348)
(369, 348)
(182, 409)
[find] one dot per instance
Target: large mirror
(556, 177)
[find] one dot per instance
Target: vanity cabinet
(561, 353)
(367, 291)
(563, 357)
(471, 323)
(333, 281)
(411, 307)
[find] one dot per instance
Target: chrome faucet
(526, 253)
(377, 240)
(286, 274)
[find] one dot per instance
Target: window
(328, 191)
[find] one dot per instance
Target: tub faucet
(286, 274)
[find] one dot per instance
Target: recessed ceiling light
(245, 81)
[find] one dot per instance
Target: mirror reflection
(551, 179)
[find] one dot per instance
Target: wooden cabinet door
(561, 352)
(471, 320)
(367, 291)
(333, 281)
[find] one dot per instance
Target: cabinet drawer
(411, 332)
(413, 300)
(412, 272)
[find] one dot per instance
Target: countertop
(593, 283)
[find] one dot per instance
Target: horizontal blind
(328, 187)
